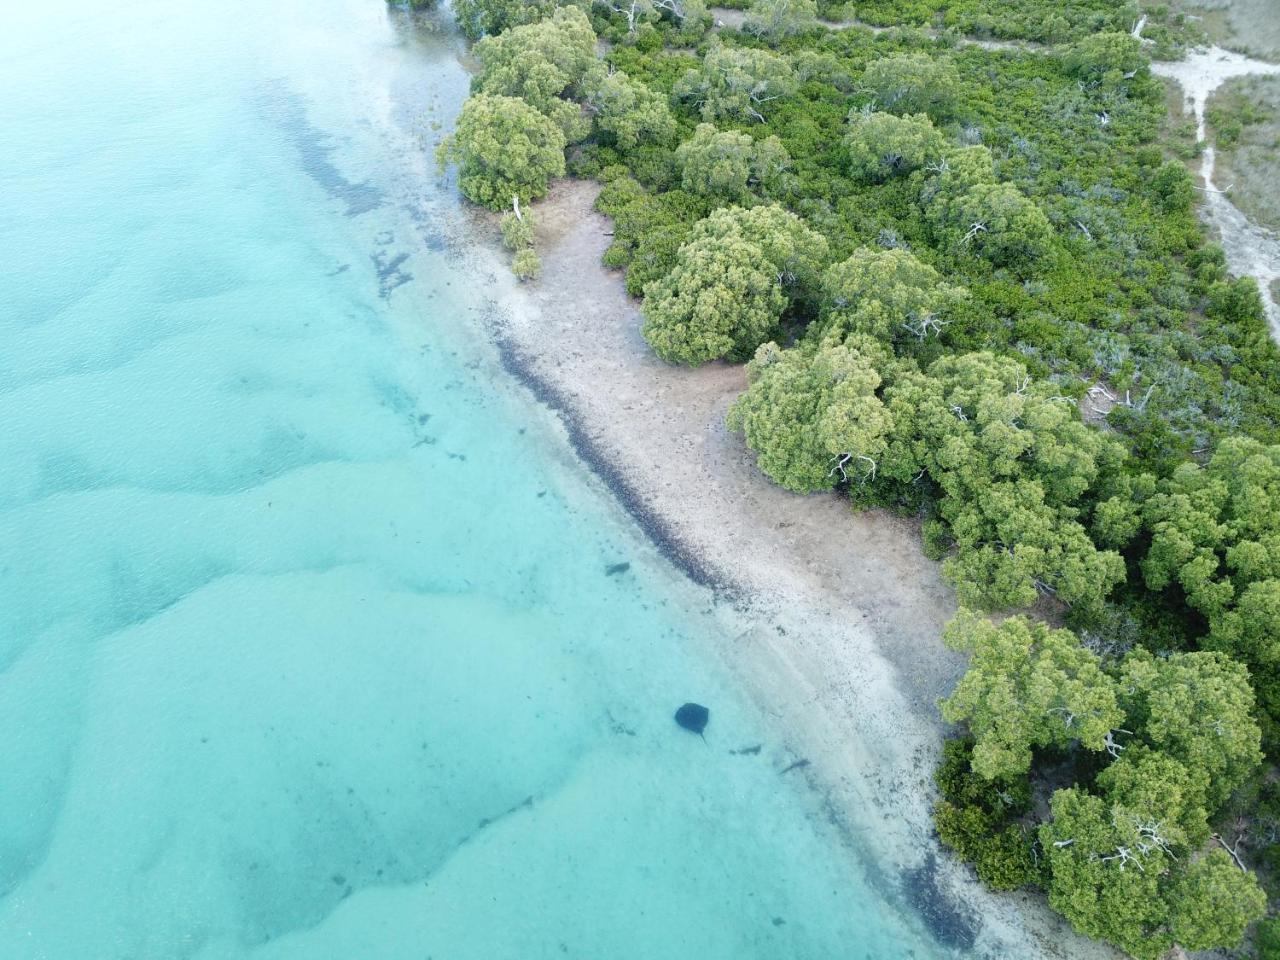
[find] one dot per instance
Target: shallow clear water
(307, 643)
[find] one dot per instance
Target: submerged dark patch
(390, 275)
(693, 717)
(289, 112)
(948, 920)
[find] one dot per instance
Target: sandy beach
(835, 617)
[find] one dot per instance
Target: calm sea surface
(308, 643)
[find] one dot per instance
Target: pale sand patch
(834, 618)
(1251, 250)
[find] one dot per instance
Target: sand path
(1251, 250)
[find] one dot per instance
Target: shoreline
(833, 619)
(651, 523)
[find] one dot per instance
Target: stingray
(693, 717)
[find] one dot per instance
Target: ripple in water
(309, 644)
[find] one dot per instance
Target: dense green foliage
(781, 18)
(730, 166)
(971, 286)
(883, 146)
(813, 416)
(913, 83)
(1267, 939)
(1022, 19)
(545, 64)
(504, 149)
(630, 112)
(1118, 852)
(735, 83)
(731, 283)
(1215, 545)
(1010, 474)
(720, 300)
(1028, 686)
(886, 294)
(983, 820)
(478, 18)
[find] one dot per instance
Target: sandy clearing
(1251, 250)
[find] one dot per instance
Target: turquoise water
(307, 643)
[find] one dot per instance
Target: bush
(977, 818)
(719, 301)
(526, 265)
(913, 83)
(517, 232)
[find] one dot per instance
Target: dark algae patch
(315, 149)
(658, 531)
(950, 922)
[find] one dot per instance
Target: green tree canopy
(479, 17)
(886, 294)
(811, 413)
(1012, 471)
(781, 18)
(737, 84)
(503, 148)
(1013, 466)
(794, 252)
(1105, 56)
(1214, 902)
(1124, 865)
(1215, 538)
(1102, 879)
(1197, 709)
(1153, 786)
(1116, 876)
(907, 83)
(722, 299)
(1027, 686)
(1251, 632)
(993, 221)
(729, 164)
(959, 171)
(1216, 529)
(730, 284)
(882, 145)
(690, 15)
(630, 112)
(545, 64)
